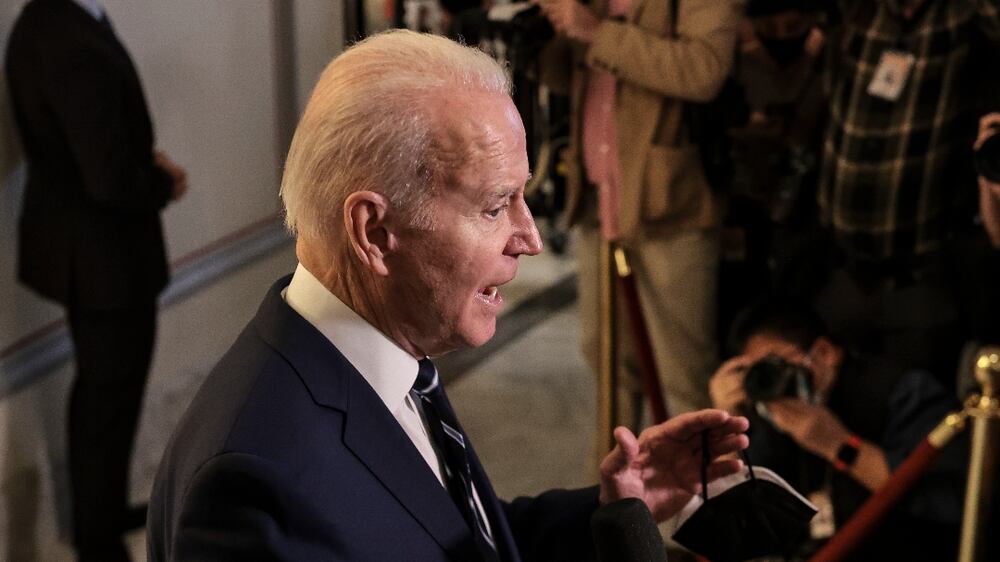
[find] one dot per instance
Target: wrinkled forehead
(479, 135)
(475, 123)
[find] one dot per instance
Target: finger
(690, 424)
(624, 452)
(734, 425)
(727, 436)
(729, 444)
(724, 467)
(981, 138)
(989, 119)
(987, 128)
(738, 361)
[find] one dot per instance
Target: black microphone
(624, 531)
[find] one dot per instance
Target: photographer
(988, 161)
(836, 424)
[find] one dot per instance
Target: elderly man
(323, 434)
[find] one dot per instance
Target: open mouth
(490, 295)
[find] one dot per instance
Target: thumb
(625, 451)
(627, 442)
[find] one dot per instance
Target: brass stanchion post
(985, 414)
(607, 386)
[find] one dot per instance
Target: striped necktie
(451, 442)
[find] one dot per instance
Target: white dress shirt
(389, 370)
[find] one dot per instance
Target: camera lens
(772, 377)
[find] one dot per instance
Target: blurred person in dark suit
(91, 239)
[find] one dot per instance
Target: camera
(773, 377)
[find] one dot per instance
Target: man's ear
(370, 239)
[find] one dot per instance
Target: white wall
(208, 70)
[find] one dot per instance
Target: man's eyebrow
(502, 193)
(505, 192)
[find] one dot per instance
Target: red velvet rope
(867, 518)
(644, 349)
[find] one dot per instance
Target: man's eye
(494, 213)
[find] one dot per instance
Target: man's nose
(525, 238)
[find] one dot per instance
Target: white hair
(367, 126)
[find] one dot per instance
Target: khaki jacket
(663, 184)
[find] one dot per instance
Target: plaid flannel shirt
(895, 173)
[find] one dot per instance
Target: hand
(813, 427)
(178, 174)
(663, 466)
(989, 125)
(989, 192)
(571, 18)
(726, 385)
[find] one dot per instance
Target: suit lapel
(371, 433)
(381, 444)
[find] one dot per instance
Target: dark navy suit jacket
(287, 453)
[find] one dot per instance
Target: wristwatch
(847, 453)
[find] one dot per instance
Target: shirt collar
(389, 369)
(92, 7)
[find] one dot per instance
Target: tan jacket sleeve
(691, 67)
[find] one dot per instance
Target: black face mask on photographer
(785, 50)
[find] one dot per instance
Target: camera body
(773, 377)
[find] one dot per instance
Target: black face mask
(785, 51)
(757, 517)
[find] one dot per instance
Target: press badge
(823, 525)
(891, 75)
